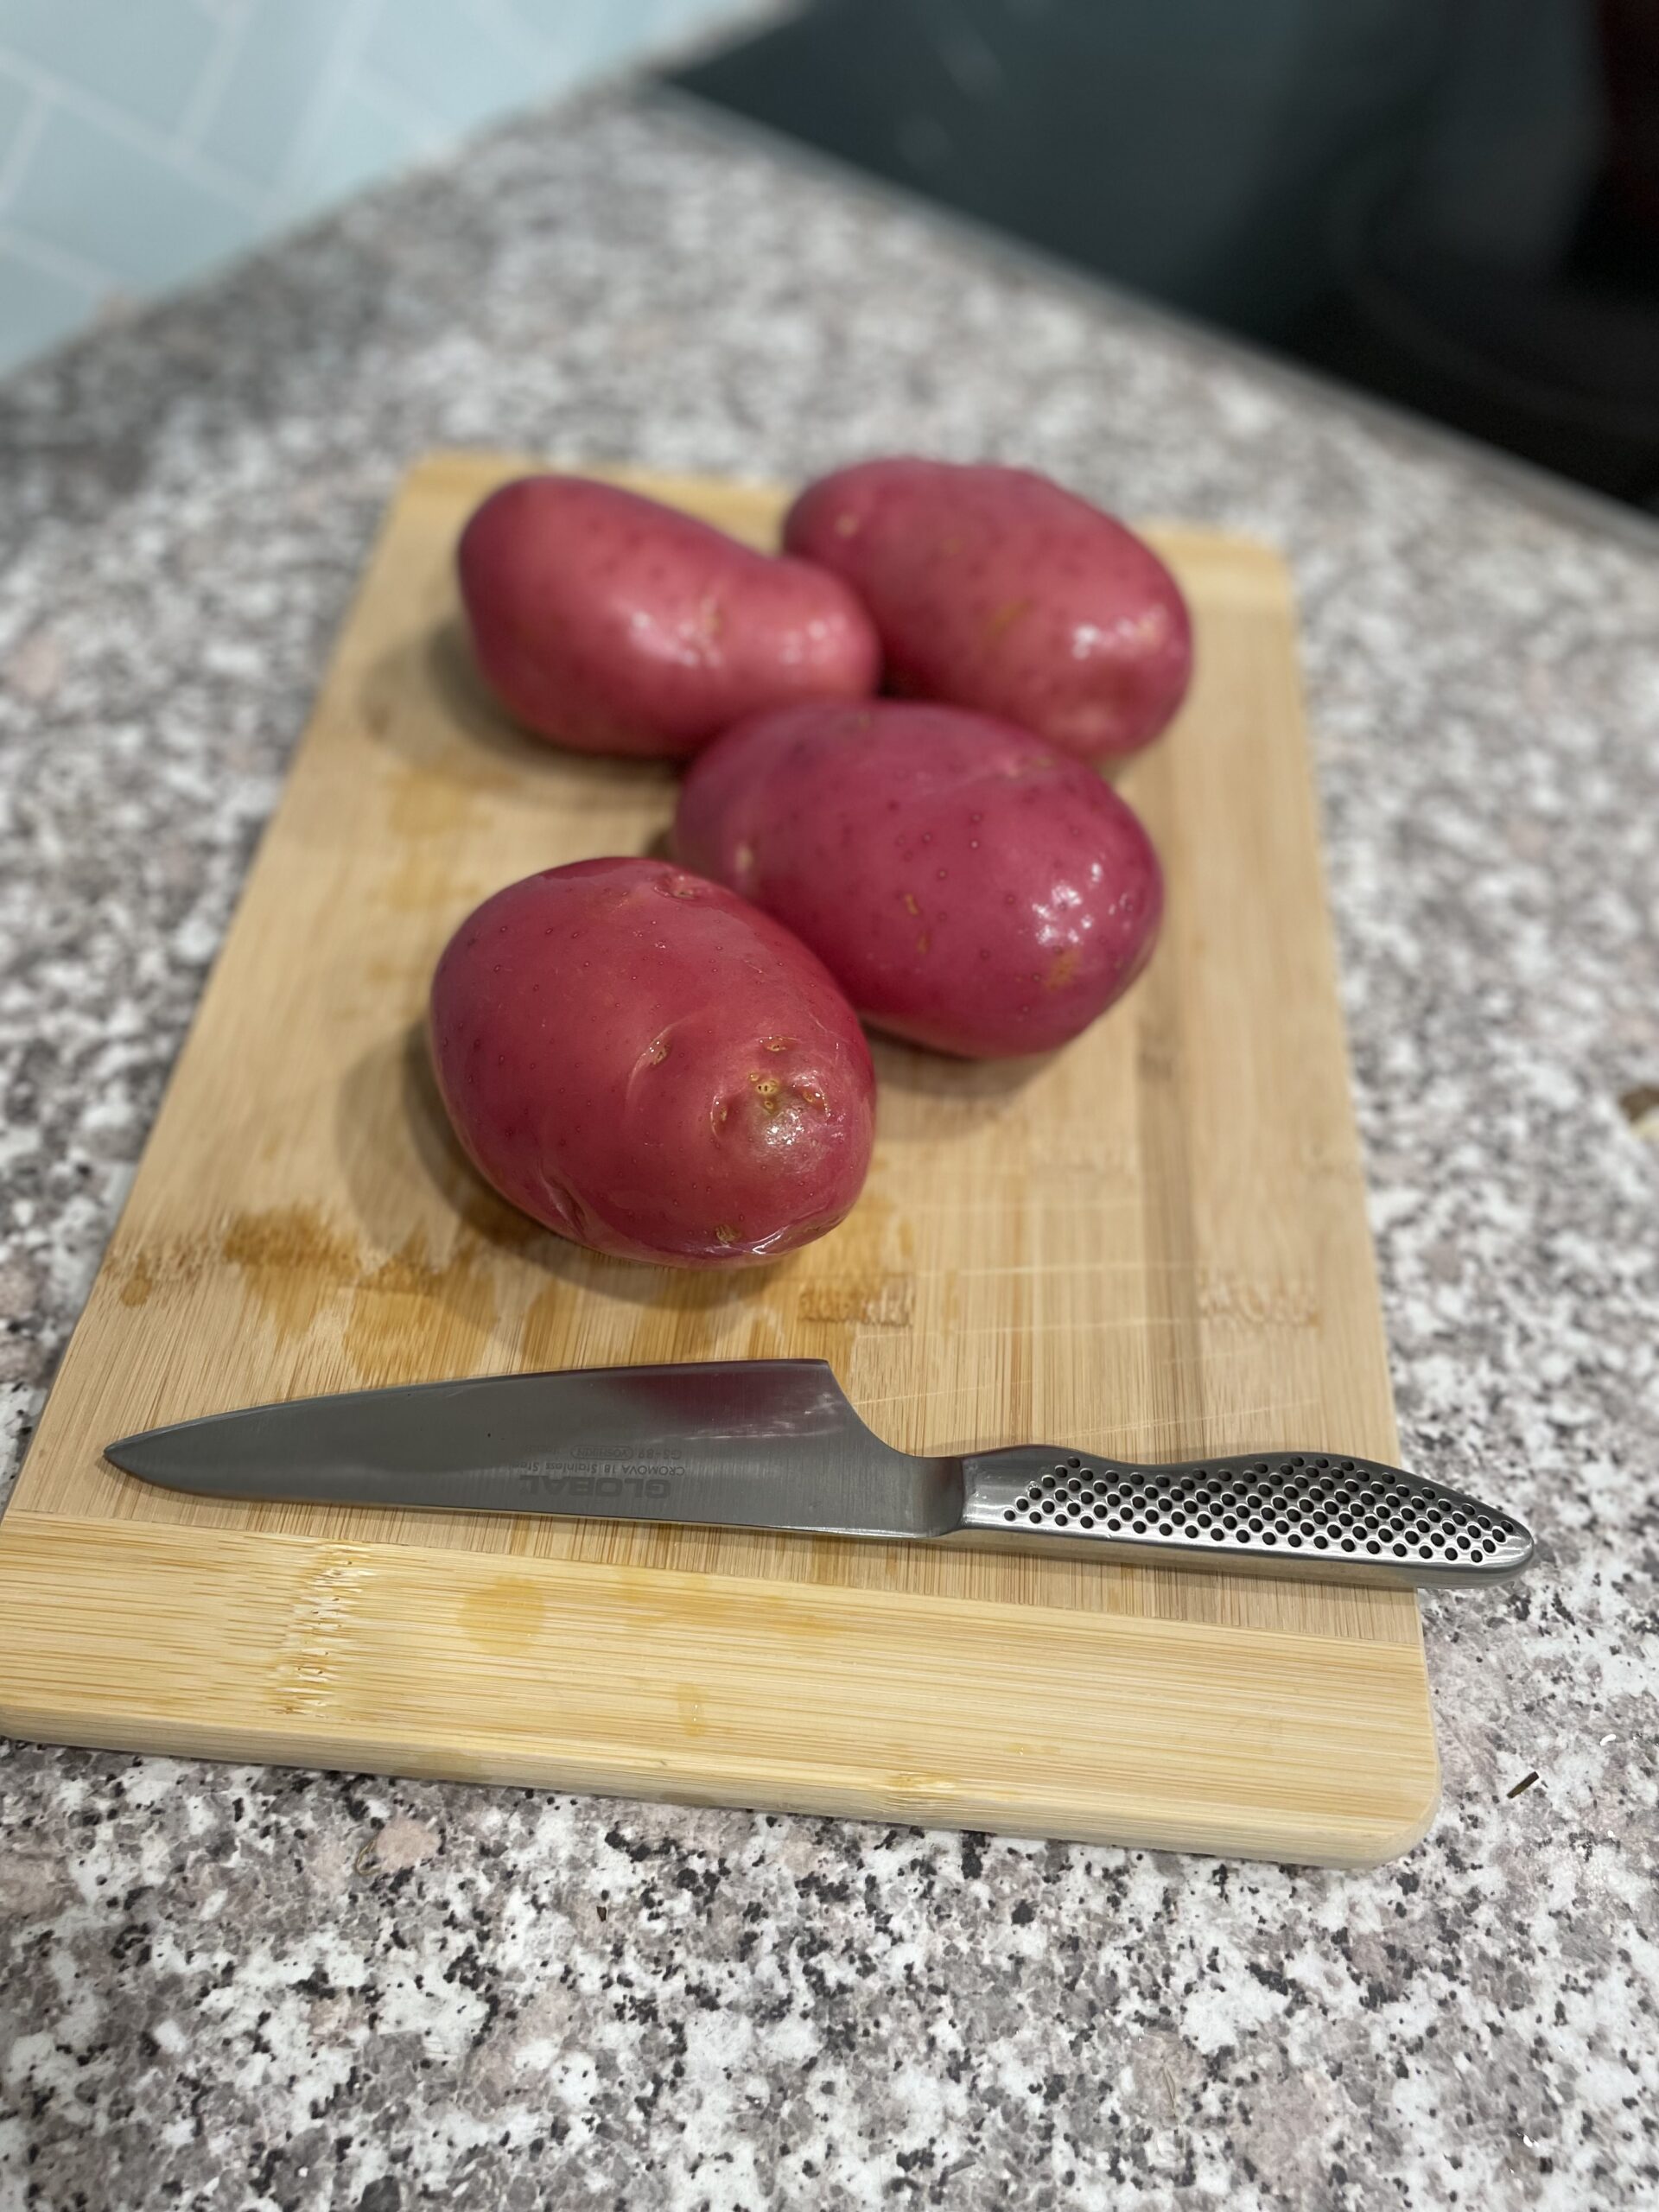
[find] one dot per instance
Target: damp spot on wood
(504, 1615)
(872, 1301)
(291, 1262)
(413, 1316)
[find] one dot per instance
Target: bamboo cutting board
(1152, 1244)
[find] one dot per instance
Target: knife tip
(129, 1454)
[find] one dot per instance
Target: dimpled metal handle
(1278, 1512)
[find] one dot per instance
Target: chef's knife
(773, 1444)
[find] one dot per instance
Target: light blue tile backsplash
(109, 206)
(15, 103)
(143, 141)
(448, 62)
(360, 141)
(270, 77)
(39, 305)
(147, 59)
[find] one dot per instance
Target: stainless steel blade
(773, 1444)
(753, 1444)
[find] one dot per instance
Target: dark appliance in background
(1452, 203)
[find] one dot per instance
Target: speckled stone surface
(234, 1988)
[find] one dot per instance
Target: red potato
(970, 887)
(612, 624)
(652, 1067)
(994, 589)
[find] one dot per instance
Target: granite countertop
(242, 1988)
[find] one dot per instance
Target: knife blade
(775, 1444)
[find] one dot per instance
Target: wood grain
(1151, 1244)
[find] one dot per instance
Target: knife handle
(1277, 1512)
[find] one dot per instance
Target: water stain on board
(422, 806)
(164, 1267)
(424, 880)
(424, 702)
(504, 1615)
(1224, 1295)
(412, 1312)
(291, 1262)
(433, 821)
(872, 1301)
